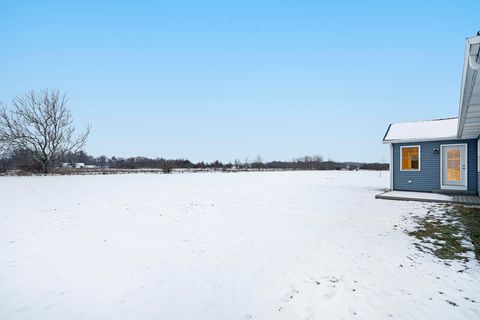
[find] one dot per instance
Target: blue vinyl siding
(428, 178)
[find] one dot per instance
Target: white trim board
(391, 167)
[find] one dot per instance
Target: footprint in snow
(452, 303)
(289, 297)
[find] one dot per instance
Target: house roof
(469, 113)
(438, 129)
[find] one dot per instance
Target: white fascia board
(463, 108)
(453, 138)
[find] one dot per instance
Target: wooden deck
(469, 200)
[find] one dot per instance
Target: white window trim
(419, 158)
(450, 187)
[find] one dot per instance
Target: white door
(454, 166)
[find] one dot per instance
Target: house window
(410, 158)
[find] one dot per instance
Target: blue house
(441, 155)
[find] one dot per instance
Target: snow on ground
(255, 245)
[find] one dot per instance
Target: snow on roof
(437, 129)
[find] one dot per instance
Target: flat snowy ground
(272, 245)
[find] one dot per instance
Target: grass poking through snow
(447, 231)
(470, 217)
(441, 233)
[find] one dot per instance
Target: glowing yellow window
(410, 158)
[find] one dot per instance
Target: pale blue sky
(209, 80)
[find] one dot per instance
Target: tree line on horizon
(21, 160)
(37, 134)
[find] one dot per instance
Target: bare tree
(258, 159)
(317, 159)
(246, 163)
(4, 145)
(40, 123)
(5, 155)
(307, 162)
(102, 161)
(257, 162)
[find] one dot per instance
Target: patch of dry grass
(470, 218)
(442, 235)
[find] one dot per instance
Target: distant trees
(40, 124)
(311, 162)
(23, 160)
(167, 167)
(246, 163)
(257, 162)
(375, 166)
(237, 163)
(102, 161)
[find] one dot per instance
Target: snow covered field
(272, 245)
